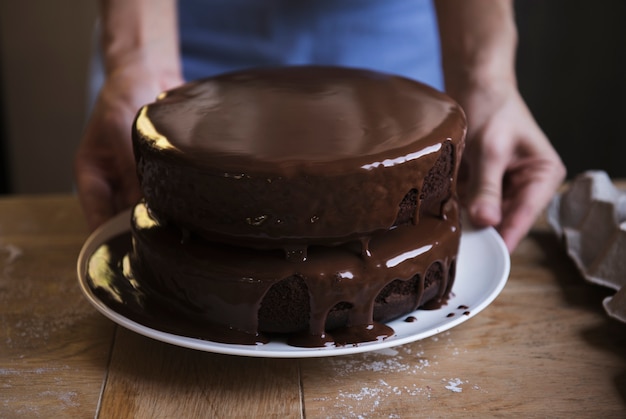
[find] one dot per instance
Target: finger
(95, 197)
(516, 224)
(484, 189)
(530, 190)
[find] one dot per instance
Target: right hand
(104, 164)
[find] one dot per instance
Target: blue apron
(394, 36)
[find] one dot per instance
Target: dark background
(571, 71)
(4, 173)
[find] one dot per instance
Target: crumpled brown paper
(591, 217)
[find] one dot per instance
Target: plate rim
(120, 224)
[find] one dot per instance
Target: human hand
(104, 166)
(510, 171)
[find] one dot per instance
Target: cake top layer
(300, 118)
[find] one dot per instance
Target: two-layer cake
(316, 202)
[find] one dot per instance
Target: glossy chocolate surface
(316, 202)
(299, 120)
(226, 285)
(293, 155)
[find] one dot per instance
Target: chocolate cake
(316, 202)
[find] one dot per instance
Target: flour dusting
(13, 252)
(10, 253)
(67, 398)
(454, 385)
(369, 401)
(407, 372)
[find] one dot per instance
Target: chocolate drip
(365, 247)
(243, 278)
(285, 173)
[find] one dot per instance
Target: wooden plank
(544, 348)
(152, 379)
(54, 347)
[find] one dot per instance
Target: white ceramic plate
(482, 271)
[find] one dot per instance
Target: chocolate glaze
(227, 285)
(295, 155)
(313, 201)
(115, 284)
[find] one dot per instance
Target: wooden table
(544, 348)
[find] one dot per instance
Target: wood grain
(53, 346)
(150, 379)
(544, 348)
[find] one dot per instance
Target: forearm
(140, 33)
(478, 42)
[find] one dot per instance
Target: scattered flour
(387, 351)
(13, 252)
(386, 361)
(376, 398)
(9, 253)
(58, 397)
(368, 401)
(67, 398)
(454, 385)
(37, 371)
(40, 328)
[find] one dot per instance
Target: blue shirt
(393, 36)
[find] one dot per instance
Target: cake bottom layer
(338, 295)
